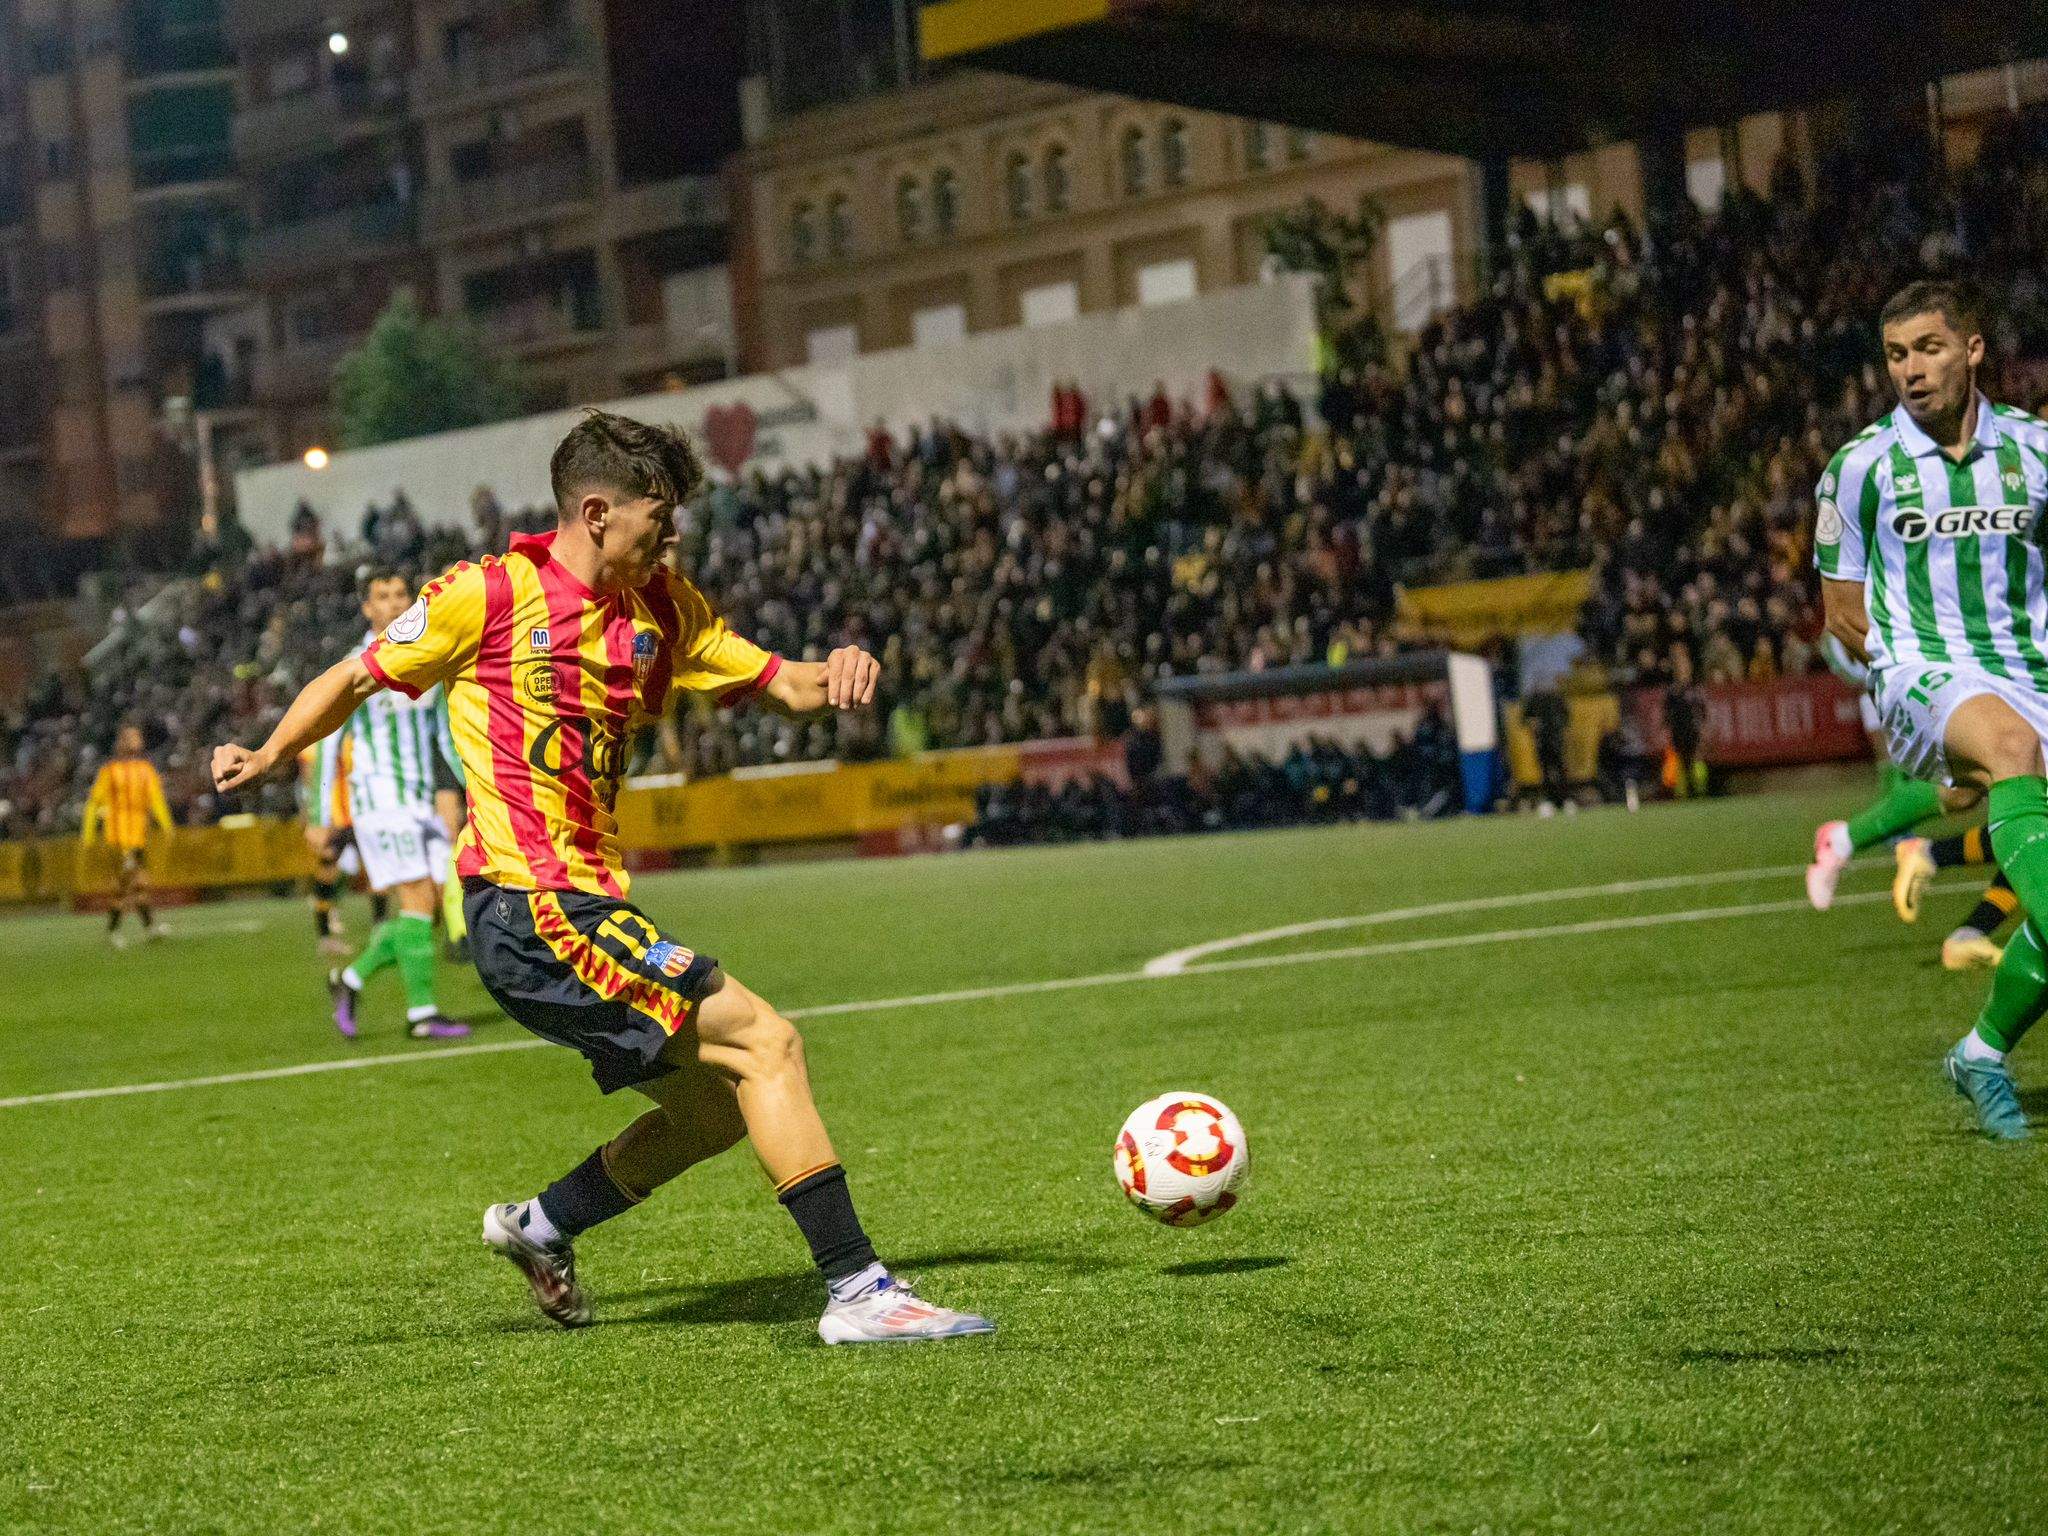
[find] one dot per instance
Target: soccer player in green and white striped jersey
(1928, 541)
(392, 742)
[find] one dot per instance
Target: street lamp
(316, 458)
(337, 43)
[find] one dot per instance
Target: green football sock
(378, 953)
(414, 943)
(2019, 991)
(2017, 814)
(1904, 803)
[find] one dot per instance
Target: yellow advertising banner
(1471, 612)
(811, 800)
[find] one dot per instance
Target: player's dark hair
(630, 458)
(1946, 297)
(376, 573)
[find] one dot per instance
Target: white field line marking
(1174, 963)
(1014, 989)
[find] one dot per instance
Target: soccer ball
(1181, 1158)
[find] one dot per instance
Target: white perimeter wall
(995, 382)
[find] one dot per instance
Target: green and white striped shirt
(1949, 554)
(392, 744)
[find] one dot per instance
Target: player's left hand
(850, 675)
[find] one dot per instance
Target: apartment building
(121, 228)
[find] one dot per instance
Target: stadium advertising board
(1374, 703)
(1760, 725)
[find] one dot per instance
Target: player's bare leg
(1989, 746)
(696, 1116)
(740, 1070)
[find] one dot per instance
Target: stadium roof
(1523, 77)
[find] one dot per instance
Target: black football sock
(822, 1207)
(113, 919)
(143, 913)
(1993, 908)
(1971, 847)
(380, 906)
(585, 1196)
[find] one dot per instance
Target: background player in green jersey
(400, 836)
(1927, 540)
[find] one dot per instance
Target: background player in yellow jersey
(127, 798)
(549, 655)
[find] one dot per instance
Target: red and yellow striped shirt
(126, 796)
(544, 677)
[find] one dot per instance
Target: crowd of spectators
(1655, 404)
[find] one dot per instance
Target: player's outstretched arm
(844, 680)
(322, 708)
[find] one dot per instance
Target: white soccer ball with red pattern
(1182, 1159)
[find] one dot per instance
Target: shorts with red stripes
(587, 971)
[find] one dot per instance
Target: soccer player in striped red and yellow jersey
(549, 654)
(127, 798)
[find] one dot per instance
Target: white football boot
(549, 1268)
(1826, 868)
(892, 1313)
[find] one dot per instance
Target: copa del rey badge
(643, 654)
(669, 958)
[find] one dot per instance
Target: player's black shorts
(586, 971)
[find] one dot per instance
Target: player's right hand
(235, 766)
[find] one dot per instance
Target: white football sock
(533, 1221)
(850, 1286)
(1976, 1048)
(1838, 841)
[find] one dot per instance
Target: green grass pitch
(1647, 1221)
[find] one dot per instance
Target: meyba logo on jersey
(409, 625)
(1914, 526)
(538, 641)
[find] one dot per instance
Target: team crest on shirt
(643, 654)
(669, 958)
(538, 641)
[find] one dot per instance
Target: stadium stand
(1652, 405)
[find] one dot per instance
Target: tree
(414, 375)
(1333, 248)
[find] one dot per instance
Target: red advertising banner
(1752, 725)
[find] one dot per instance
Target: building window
(1173, 152)
(839, 226)
(803, 234)
(1133, 161)
(60, 266)
(1017, 185)
(1059, 180)
(1299, 143)
(945, 201)
(1258, 146)
(910, 210)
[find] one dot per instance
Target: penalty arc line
(1011, 989)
